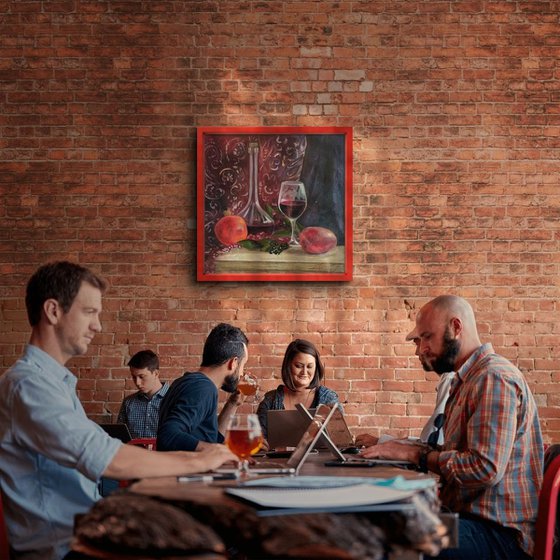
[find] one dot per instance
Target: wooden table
(246, 535)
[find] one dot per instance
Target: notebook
(358, 497)
(307, 442)
(118, 431)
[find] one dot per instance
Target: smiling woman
(302, 376)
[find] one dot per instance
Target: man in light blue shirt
(51, 454)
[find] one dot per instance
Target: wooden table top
(408, 532)
(171, 488)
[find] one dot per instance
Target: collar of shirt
(467, 368)
(46, 363)
(159, 394)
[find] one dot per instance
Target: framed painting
(274, 204)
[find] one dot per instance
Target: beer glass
(249, 386)
(244, 438)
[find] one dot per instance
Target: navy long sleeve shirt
(188, 414)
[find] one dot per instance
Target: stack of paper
(327, 499)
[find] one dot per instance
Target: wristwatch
(423, 461)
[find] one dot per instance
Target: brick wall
(455, 111)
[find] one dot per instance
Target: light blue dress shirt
(51, 454)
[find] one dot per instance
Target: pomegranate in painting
(317, 240)
(231, 229)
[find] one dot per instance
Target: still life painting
(274, 203)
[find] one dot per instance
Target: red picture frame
(274, 204)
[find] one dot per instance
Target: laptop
(285, 427)
(315, 429)
(337, 437)
(118, 431)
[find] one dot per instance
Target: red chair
(4, 547)
(546, 516)
(147, 443)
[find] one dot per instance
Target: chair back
(546, 517)
(4, 547)
(148, 443)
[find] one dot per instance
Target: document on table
(327, 499)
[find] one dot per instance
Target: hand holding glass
(244, 438)
(292, 201)
(249, 386)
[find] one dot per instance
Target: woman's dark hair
(223, 343)
(305, 347)
(60, 281)
(145, 359)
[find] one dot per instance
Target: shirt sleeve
(49, 419)
(262, 411)
(326, 396)
(492, 407)
(191, 405)
(122, 417)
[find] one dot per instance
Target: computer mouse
(350, 450)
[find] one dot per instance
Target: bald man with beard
(491, 463)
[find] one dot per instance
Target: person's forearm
(227, 412)
(135, 462)
(428, 461)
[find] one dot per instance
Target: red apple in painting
(231, 229)
(317, 240)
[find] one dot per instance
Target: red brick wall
(455, 111)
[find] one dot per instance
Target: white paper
(348, 496)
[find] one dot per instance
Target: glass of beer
(244, 438)
(249, 386)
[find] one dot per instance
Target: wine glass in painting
(244, 438)
(292, 201)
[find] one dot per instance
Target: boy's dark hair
(145, 359)
(305, 347)
(60, 281)
(223, 343)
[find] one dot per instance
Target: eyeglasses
(438, 425)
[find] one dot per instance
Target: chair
(4, 547)
(147, 443)
(546, 516)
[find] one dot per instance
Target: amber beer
(244, 442)
(247, 389)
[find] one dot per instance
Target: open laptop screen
(314, 430)
(285, 427)
(309, 438)
(118, 431)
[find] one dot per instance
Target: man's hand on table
(214, 455)
(366, 440)
(394, 449)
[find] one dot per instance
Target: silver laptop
(315, 429)
(337, 435)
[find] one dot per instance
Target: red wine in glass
(292, 201)
(292, 208)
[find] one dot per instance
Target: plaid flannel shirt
(141, 413)
(492, 458)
